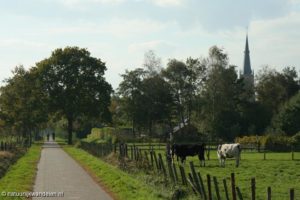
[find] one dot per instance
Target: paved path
(58, 172)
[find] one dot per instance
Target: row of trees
(205, 92)
(69, 84)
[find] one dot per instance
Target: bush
(278, 143)
(102, 135)
(295, 140)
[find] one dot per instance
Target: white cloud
(77, 2)
(150, 45)
(164, 3)
(115, 27)
(13, 42)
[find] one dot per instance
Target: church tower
(248, 74)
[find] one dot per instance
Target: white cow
(229, 151)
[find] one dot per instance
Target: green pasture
(278, 171)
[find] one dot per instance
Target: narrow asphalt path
(58, 172)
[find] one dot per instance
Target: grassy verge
(121, 184)
(20, 177)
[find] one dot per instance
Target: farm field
(278, 171)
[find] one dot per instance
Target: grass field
(278, 171)
(20, 177)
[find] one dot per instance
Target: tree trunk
(70, 130)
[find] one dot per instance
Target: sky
(119, 32)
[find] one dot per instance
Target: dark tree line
(205, 92)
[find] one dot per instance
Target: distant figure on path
(48, 137)
(53, 136)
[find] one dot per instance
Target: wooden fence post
(190, 180)
(292, 194)
(209, 187)
(253, 189)
(156, 162)
(131, 152)
(175, 172)
(147, 159)
(239, 193)
(151, 159)
(217, 188)
(183, 176)
(162, 165)
(134, 153)
(202, 186)
(126, 150)
(225, 189)
(196, 180)
(269, 193)
(171, 173)
(233, 187)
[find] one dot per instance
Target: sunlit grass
(20, 177)
(278, 171)
(122, 184)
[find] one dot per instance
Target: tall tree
(178, 75)
(152, 63)
(220, 116)
(288, 117)
(130, 91)
(75, 84)
(23, 102)
(274, 88)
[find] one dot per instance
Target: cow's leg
(223, 162)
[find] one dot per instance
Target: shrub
(295, 140)
(278, 143)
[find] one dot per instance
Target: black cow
(184, 150)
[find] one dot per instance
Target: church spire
(247, 65)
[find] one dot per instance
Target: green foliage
(278, 143)
(103, 135)
(275, 88)
(288, 117)
(23, 102)
(295, 140)
(251, 140)
(145, 99)
(221, 95)
(75, 83)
